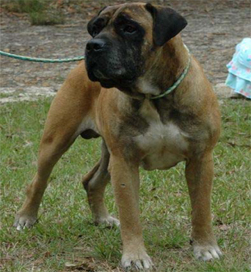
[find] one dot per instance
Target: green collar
(177, 82)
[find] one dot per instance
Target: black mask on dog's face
(113, 56)
(122, 38)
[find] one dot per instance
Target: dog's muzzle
(104, 63)
(95, 45)
(98, 62)
(94, 59)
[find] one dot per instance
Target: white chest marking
(147, 88)
(163, 145)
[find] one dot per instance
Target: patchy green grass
(41, 12)
(65, 238)
(24, 6)
(4, 95)
(51, 17)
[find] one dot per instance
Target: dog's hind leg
(49, 154)
(94, 183)
(67, 117)
(57, 138)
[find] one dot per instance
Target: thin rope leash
(168, 91)
(2, 53)
(179, 80)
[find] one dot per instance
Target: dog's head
(123, 39)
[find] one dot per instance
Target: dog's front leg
(199, 175)
(125, 181)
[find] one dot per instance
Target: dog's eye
(129, 29)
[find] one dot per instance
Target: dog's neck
(172, 58)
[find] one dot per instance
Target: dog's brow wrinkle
(123, 16)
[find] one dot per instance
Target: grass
(65, 238)
(24, 6)
(46, 18)
(41, 12)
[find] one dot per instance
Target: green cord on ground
(40, 59)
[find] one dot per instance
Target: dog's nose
(95, 45)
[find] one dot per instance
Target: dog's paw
(136, 261)
(207, 252)
(23, 221)
(108, 221)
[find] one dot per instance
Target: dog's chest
(163, 145)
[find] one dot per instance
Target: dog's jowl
(147, 97)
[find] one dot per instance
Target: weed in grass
(41, 12)
(24, 6)
(46, 18)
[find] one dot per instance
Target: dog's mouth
(99, 75)
(96, 74)
(118, 82)
(110, 78)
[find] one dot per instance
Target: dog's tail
(86, 179)
(99, 175)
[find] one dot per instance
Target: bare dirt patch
(214, 28)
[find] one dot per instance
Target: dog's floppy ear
(167, 23)
(102, 10)
(90, 23)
